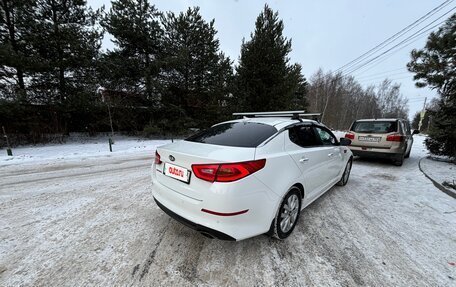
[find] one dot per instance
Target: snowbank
(440, 171)
(77, 149)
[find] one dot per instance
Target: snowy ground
(92, 222)
(440, 171)
(79, 148)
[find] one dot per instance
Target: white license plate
(369, 139)
(176, 172)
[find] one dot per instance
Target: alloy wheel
(289, 213)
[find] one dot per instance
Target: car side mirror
(345, 141)
(415, 132)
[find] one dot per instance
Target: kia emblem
(171, 158)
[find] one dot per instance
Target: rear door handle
(303, 160)
(330, 154)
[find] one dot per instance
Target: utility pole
(422, 114)
(102, 90)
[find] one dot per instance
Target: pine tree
(197, 75)
(435, 66)
(135, 62)
(16, 20)
(67, 43)
(265, 79)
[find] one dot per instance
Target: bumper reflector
(223, 213)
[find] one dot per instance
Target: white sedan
(250, 176)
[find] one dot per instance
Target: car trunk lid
(183, 154)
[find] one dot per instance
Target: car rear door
(329, 144)
(303, 145)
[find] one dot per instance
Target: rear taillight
(205, 171)
(157, 158)
(227, 172)
(350, 136)
(395, 138)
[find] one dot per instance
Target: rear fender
(280, 172)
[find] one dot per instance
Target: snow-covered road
(94, 222)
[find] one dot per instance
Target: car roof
(380, 120)
(277, 122)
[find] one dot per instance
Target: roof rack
(296, 115)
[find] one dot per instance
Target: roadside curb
(437, 184)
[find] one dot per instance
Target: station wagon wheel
(399, 160)
(343, 181)
(288, 214)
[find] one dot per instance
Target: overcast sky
(324, 33)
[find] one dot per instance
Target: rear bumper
(393, 152)
(226, 199)
(376, 154)
(195, 226)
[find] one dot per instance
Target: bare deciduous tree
(341, 99)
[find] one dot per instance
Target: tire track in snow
(73, 174)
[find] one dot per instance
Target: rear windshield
(239, 134)
(375, 127)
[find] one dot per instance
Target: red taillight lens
(157, 158)
(205, 171)
(349, 136)
(227, 172)
(395, 138)
(231, 172)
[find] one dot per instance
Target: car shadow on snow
(372, 160)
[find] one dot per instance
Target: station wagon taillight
(350, 136)
(227, 172)
(395, 138)
(157, 158)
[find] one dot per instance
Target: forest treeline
(165, 75)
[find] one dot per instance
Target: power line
(384, 58)
(411, 41)
(384, 72)
(381, 76)
(386, 78)
(408, 39)
(395, 36)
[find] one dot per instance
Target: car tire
(400, 160)
(287, 215)
(408, 154)
(346, 175)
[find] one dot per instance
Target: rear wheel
(400, 160)
(343, 181)
(287, 215)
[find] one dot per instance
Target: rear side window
(239, 134)
(375, 127)
(303, 136)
